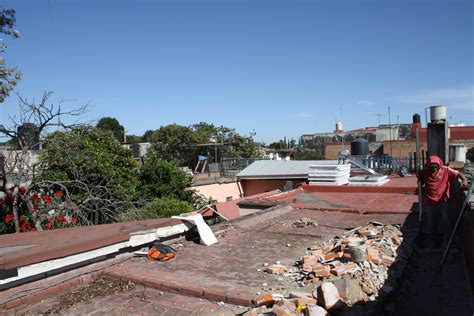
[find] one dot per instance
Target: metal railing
(385, 164)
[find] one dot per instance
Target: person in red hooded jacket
(436, 179)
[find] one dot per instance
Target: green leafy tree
(134, 139)
(175, 143)
(309, 155)
(162, 178)
(281, 144)
(241, 146)
(204, 132)
(161, 207)
(113, 125)
(89, 160)
(148, 136)
(9, 76)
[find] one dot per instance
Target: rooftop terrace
(227, 276)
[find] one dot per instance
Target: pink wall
(218, 191)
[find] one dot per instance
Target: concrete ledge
(60, 243)
(60, 250)
(357, 189)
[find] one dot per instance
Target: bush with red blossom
(45, 204)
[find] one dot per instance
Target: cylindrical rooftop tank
(438, 113)
(416, 118)
(338, 127)
(457, 152)
(359, 146)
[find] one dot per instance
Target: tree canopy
(183, 143)
(9, 76)
(161, 178)
(93, 158)
(174, 143)
(113, 125)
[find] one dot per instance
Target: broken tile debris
(329, 280)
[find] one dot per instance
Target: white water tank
(438, 113)
(339, 127)
(457, 152)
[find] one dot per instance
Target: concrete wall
(401, 148)
(332, 150)
(317, 142)
(256, 186)
(383, 134)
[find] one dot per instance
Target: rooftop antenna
(379, 115)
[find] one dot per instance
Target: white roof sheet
(281, 168)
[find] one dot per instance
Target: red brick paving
(138, 301)
(227, 271)
(36, 291)
(353, 202)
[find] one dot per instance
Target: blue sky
(281, 68)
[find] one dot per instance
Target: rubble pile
(357, 267)
(304, 222)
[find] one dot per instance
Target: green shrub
(161, 207)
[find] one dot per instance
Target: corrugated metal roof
(280, 168)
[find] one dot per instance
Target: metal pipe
(418, 169)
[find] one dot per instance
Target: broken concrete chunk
(298, 294)
(374, 255)
(387, 260)
(345, 268)
(327, 249)
(335, 263)
(283, 311)
(256, 311)
(276, 269)
(306, 268)
(397, 240)
(315, 310)
(330, 296)
(305, 301)
(369, 232)
(322, 271)
(267, 299)
(288, 303)
(333, 255)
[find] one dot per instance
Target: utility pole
(390, 127)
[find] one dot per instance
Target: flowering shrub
(47, 204)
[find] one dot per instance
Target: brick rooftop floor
(351, 202)
(228, 270)
(139, 301)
